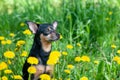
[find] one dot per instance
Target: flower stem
(29, 77)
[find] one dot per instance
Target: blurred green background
(95, 24)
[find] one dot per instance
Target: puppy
(45, 34)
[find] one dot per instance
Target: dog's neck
(46, 46)
(41, 49)
(41, 44)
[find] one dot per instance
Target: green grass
(95, 24)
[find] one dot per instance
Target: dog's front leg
(49, 70)
(39, 70)
(24, 70)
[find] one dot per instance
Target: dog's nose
(58, 35)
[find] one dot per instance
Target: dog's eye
(48, 29)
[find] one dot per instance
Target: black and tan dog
(44, 35)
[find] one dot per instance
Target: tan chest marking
(45, 44)
(40, 69)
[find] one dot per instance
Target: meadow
(89, 47)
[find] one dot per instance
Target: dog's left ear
(32, 26)
(55, 23)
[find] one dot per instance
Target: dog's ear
(55, 23)
(32, 26)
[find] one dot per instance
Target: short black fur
(36, 50)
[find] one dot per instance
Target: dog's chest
(41, 55)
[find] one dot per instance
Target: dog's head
(46, 32)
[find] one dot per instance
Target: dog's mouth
(55, 38)
(50, 37)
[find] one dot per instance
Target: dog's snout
(55, 36)
(58, 35)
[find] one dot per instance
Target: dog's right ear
(32, 26)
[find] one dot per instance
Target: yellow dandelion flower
(118, 51)
(110, 13)
(84, 78)
(2, 38)
(77, 59)
(17, 77)
(113, 46)
(9, 54)
(3, 65)
(31, 70)
(8, 71)
(4, 78)
(116, 58)
(67, 71)
(55, 54)
(60, 79)
(24, 54)
(27, 32)
(8, 41)
(64, 53)
(22, 24)
(85, 59)
(96, 62)
(69, 46)
(3, 42)
(32, 60)
(70, 66)
(118, 61)
(107, 19)
(54, 57)
(20, 43)
(45, 77)
(68, 79)
(51, 61)
(78, 44)
(61, 36)
(11, 34)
